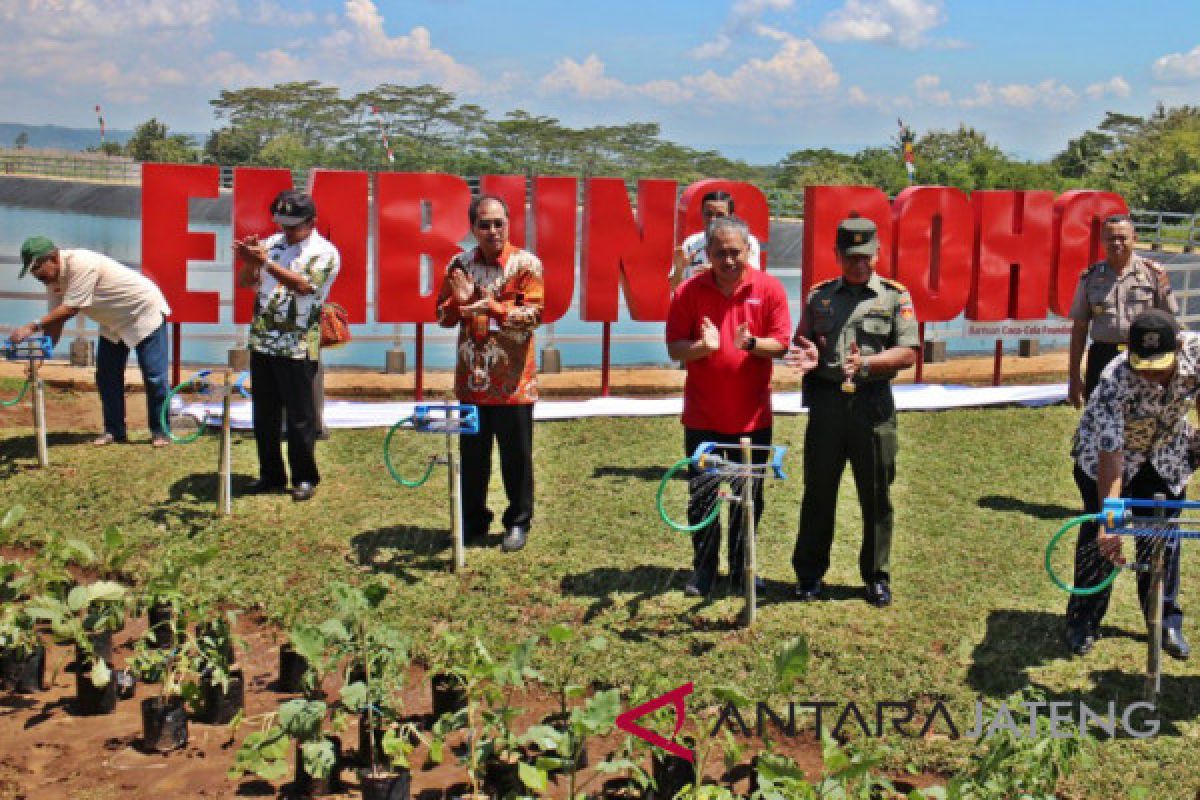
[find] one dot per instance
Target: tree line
(1153, 161)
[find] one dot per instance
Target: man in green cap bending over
(856, 332)
(131, 313)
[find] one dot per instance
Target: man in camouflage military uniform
(1110, 294)
(292, 272)
(855, 333)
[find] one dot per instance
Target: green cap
(856, 236)
(33, 250)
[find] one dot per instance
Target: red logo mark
(674, 698)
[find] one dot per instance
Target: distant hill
(56, 137)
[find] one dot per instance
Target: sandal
(106, 439)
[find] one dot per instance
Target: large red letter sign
(619, 248)
(1012, 263)
(253, 190)
(510, 189)
(554, 201)
(1078, 240)
(824, 209)
(403, 239)
(932, 234)
(167, 244)
(341, 200)
(749, 202)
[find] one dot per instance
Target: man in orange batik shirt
(494, 294)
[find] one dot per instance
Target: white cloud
(743, 16)
(929, 90)
(1113, 87)
(585, 80)
(359, 48)
(716, 48)
(1178, 66)
(1048, 94)
(793, 76)
(900, 22)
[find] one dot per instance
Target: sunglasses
(491, 224)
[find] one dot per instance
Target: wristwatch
(864, 370)
(750, 344)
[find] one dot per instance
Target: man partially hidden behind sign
(292, 272)
(691, 256)
(1134, 441)
(495, 295)
(725, 325)
(856, 333)
(1109, 295)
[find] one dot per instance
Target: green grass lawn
(978, 495)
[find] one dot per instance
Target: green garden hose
(387, 458)
(18, 398)
(662, 512)
(1059, 582)
(165, 417)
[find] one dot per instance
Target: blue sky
(752, 78)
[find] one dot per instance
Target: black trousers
(858, 427)
(702, 493)
(1089, 610)
(283, 388)
(512, 428)
(1098, 356)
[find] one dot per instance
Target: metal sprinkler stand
(35, 350)
(1154, 615)
(1118, 518)
(452, 420)
(749, 472)
(201, 384)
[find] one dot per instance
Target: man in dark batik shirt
(1134, 441)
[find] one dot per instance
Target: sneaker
(106, 439)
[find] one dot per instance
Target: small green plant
(216, 648)
(302, 721)
(492, 742)
(17, 633)
(1005, 765)
(87, 610)
(115, 553)
(566, 737)
(165, 585)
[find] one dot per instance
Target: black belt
(814, 383)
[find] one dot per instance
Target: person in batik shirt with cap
(1134, 441)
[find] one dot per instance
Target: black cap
(857, 236)
(291, 207)
(1153, 337)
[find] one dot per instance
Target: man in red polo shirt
(725, 325)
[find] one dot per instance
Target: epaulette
(1090, 268)
(818, 286)
(894, 285)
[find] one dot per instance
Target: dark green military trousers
(859, 427)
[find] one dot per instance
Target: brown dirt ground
(49, 753)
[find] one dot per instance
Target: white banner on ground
(923, 397)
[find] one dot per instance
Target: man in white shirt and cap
(131, 312)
